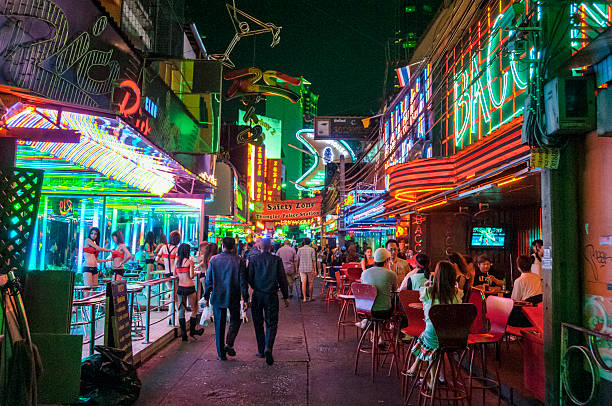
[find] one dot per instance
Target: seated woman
(527, 288)
(367, 261)
(119, 256)
(415, 281)
(443, 290)
(186, 291)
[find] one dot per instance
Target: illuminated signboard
(587, 21)
(407, 121)
(488, 84)
(323, 151)
(257, 172)
(273, 179)
(271, 128)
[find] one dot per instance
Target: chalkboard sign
(118, 325)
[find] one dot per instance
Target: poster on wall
(290, 210)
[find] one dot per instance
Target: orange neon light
(433, 205)
(123, 106)
(471, 176)
(510, 181)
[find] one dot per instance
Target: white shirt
(526, 286)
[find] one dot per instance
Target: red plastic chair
(479, 326)
(498, 312)
(365, 295)
(416, 325)
(353, 273)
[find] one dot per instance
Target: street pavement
(311, 368)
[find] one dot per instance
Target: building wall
(596, 233)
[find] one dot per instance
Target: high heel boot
(183, 326)
(193, 322)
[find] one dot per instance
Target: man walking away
(225, 282)
(266, 275)
(287, 254)
(307, 263)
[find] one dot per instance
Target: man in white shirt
(307, 264)
(528, 285)
(288, 256)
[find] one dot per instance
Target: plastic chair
(365, 295)
(346, 300)
(353, 273)
(452, 324)
(498, 311)
(479, 326)
(416, 325)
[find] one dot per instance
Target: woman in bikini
(163, 241)
(119, 256)
(167, 254)
(90, 265)
(150, 252)
(183, 268)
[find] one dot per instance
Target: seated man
(527, 287)
(384, 280)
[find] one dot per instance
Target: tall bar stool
(452, 324)
(498, 311)
(416, 325)
(364, 300)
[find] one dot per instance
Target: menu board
(118, 325)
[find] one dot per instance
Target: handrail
(91, 301)
(593, 358)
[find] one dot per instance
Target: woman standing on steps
(119, 256)
(91, 250)
(183, 268)
(150, 253)
(168, 254)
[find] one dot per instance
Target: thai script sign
(291, 210)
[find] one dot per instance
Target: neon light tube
(43, 248)
(81, 235)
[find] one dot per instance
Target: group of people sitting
(451, 282)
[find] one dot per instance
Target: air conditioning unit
(569, 105)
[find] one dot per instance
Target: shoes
(230, 351)
(222, 358)
(290, 296)
(183, 325)
(269, 358)
(193, 322)
(259, 355)
(362, 324)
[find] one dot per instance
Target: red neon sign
(127, 109)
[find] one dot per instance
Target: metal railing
(161, 292)
(588, 348)
(90, 311)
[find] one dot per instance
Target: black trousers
(264, 307)
(220, 314)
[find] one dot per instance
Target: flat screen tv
(488, 237)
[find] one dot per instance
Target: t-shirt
(385, 282)
(287, 254)
(481, 278)
(527, 285)
(414, 282)
(306, 255)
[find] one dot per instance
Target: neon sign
(488, 89)
(133, 110)
(418, 232)
(257, 172)
(245, 83)
(273, 178)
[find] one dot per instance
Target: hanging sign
(291, 210)
(118, 324)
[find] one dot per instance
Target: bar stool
(347, 301)
(365, 295)
(452, 324)
(416, 325)
(498, 311)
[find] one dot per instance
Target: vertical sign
(257, 172)
(273, 179)
(418, 232)
(118, 325)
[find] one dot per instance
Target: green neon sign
(490, 91)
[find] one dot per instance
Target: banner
(291, 210)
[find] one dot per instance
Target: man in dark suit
(225, 282)
(266, 275)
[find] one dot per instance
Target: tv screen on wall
(488, 237)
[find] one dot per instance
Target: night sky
(337, 45)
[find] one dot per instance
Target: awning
(107, 145)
